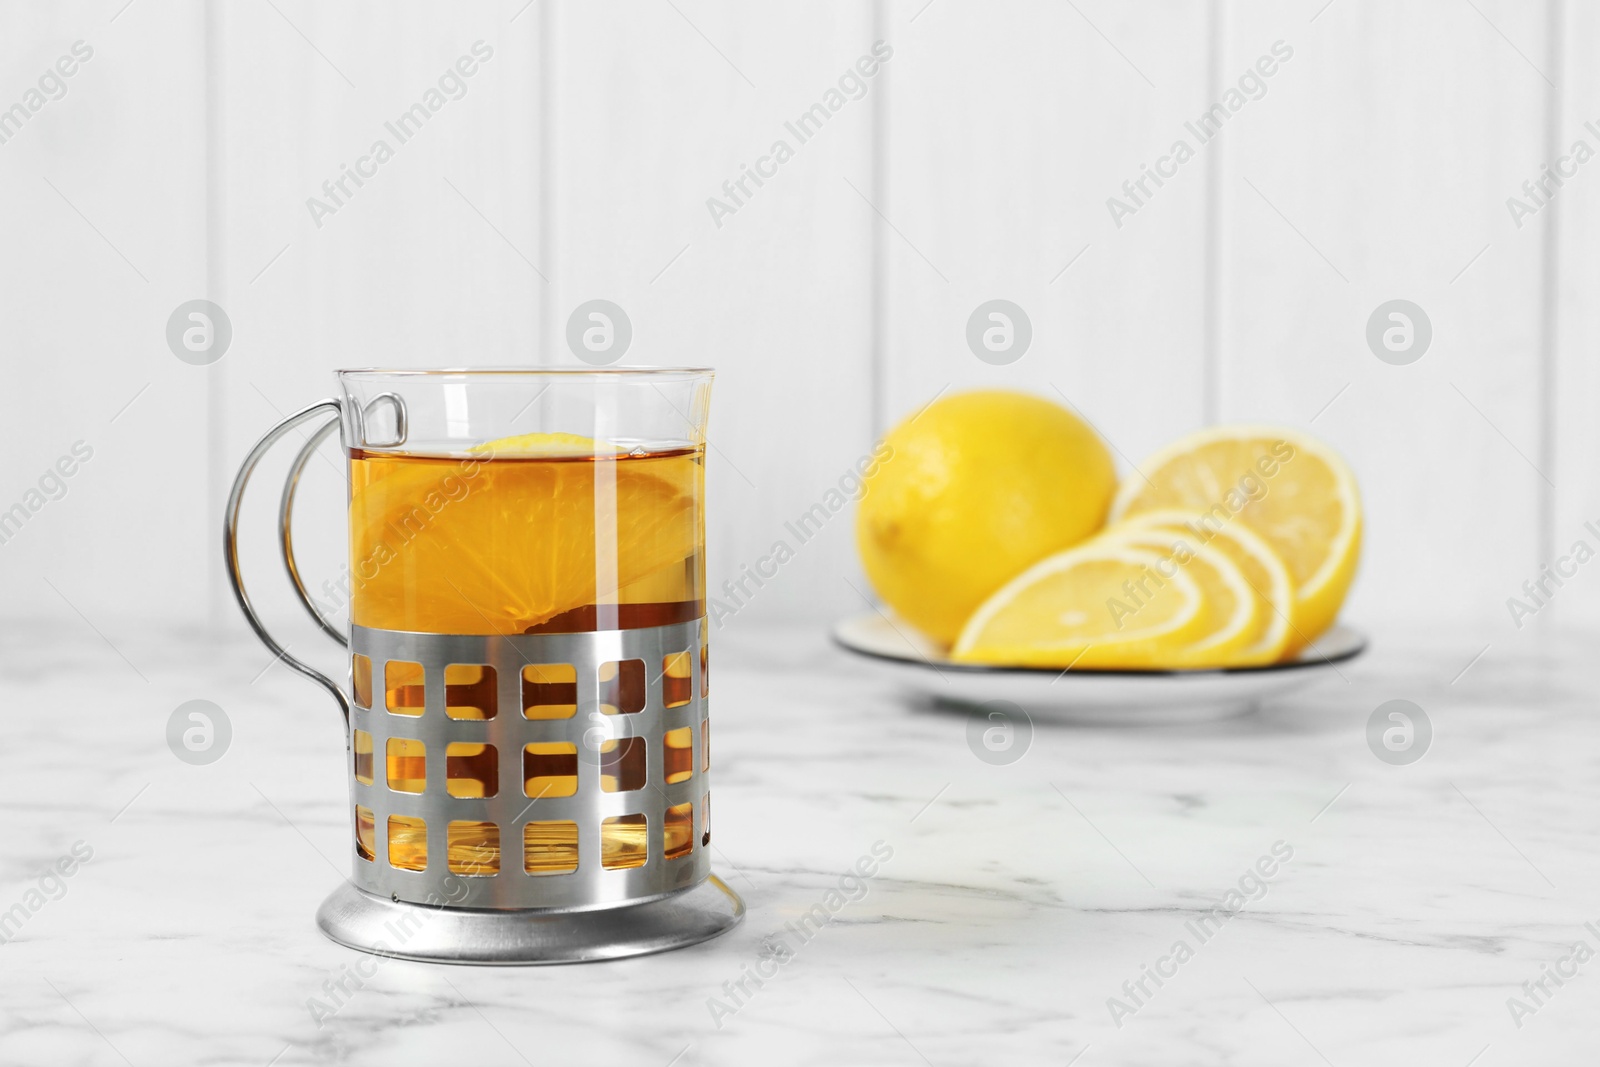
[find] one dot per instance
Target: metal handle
(292, 483)
(286, 536)
(230, 540)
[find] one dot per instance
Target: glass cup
(526, 711)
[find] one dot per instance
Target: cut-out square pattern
(677, 757)
(677, 679)
(408, 843)
(705, 820)
(471, 769)
(622, 687)
(469, 692)
(361, 749)
(622, 765)
(705, 668)
(407, 762)
(473, 847)
(549, 691)
(705, 745)
(366, 833)
(361, 680)
(402, 687)
(677, 831)
(550, 847)
(550, 769)
(624, 842)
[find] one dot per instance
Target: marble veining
(1017, 917)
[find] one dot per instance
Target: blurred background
(196, 150)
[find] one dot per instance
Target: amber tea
(507, 542)
(546, 533)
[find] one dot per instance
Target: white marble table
(1017, 902)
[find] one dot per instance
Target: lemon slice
(1291, 489)
(527, 529)
(1067, 610)
(1261, 568)
(1232, 610)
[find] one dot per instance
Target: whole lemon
(975, 488)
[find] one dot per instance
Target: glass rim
(529, 372)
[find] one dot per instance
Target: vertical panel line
(1550, 290)
(215, 283)
(1211, 350)
(879, 161)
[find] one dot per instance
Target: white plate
(1091, 696)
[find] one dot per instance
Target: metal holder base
(428, 934)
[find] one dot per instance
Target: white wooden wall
(976, 166)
